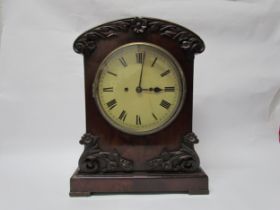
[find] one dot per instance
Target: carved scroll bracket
(94, 160)
(185, 159)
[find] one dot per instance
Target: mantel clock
(139, 101)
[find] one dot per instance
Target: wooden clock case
(116, 162)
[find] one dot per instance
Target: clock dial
(139, 88)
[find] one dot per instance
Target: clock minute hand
(141, 74)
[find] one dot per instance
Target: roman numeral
(111, 104)
(123, 115)
(154, 116)
(123, 62)
(165, 73)
(140, 57)
(169, 89)
(108, 89)
(165, 104)
(154, 62)
(112, 73)
(138, 120)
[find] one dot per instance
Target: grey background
(236, 101)
(0, 20)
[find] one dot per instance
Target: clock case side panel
(139, 151)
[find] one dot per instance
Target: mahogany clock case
(114, 161)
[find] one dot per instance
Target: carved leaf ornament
(187, 40)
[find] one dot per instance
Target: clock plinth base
(191, 183)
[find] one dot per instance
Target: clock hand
(156, 89)
(139, 88)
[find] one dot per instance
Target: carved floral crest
(187, 40)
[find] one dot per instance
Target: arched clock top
(191, 43)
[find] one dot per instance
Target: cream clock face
(139, 88)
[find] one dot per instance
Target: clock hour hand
(156, 89)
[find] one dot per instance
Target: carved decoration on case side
(183, 160)
(94, 160)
